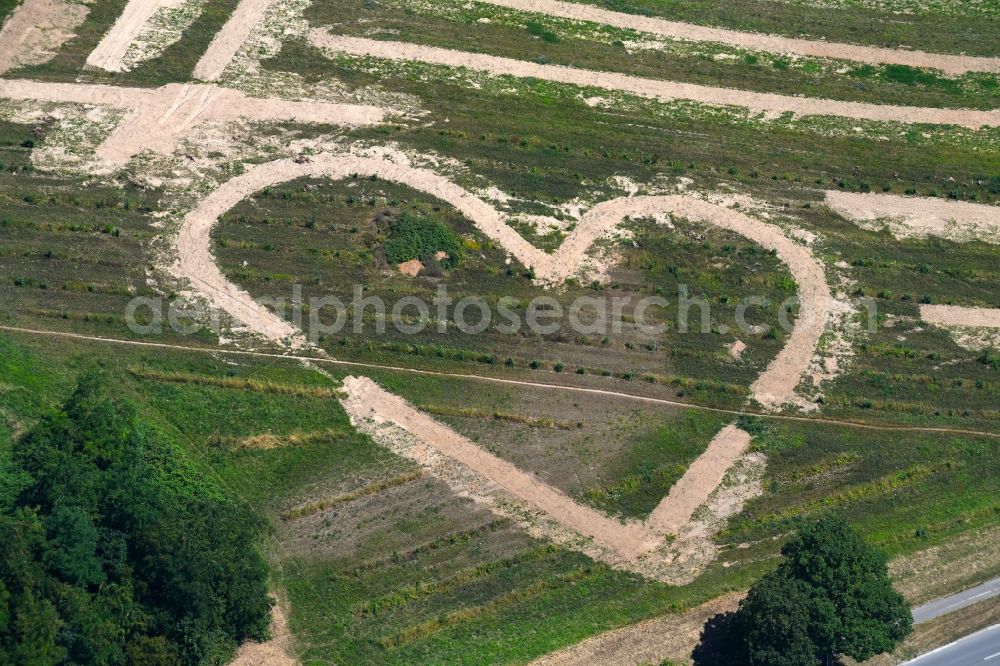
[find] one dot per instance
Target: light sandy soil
(919, 216)
(775, 386)
(763, 103)
(110, 51)
(957, 315)
(160, 117)
(36, 29)
(546, 512)
(367, 401)
(649, 642)
(701, 478)
(950, 64)
(227, 42)
(411, 268)
(275, 652)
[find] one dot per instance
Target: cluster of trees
(114, 551)
(830, 596)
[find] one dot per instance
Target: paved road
(973, 595)
(980, 649)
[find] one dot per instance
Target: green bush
(413, 236)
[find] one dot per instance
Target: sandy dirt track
(110, 51)
(366, 400)
(756, 102)
(36, 29)
(704, 474)
(920, 216)
(775, 386)
(227, 42)
(275, 652)
(949, 64)
(160, 117)
(957, 315)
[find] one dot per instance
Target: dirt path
(775, 387)
(756, 102)
(110, 51)
(545, 511)
(227, 41)
(949, 64)
(919, 216)
(701, 478)
(160, 117)
(956, 315)
(36, 29)
(367, 401)
(671, 637)
(275, 652)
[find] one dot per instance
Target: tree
(830, 595)
(112, 546)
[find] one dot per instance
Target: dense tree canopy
(830, 595)
(114, 551)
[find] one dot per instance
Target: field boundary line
(499, 380)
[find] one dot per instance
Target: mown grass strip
(881, 486)
(455, 538)
(239, 383)
(421, 589)
(364, 491)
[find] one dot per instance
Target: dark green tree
(831, 595)
(115, 550)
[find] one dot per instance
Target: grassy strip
(425, 629)
(421, 589)
(465, 536)
(364, 491)
(240, 383)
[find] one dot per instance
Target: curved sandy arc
(873, 55)
(775, 386)
(664, 91)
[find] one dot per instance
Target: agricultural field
(514, 331)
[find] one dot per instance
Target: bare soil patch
(956, 315)
(275, 652)
(160, 117)
(919, 216)
(36, 29)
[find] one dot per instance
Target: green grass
(414, 574)
(6, 7)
